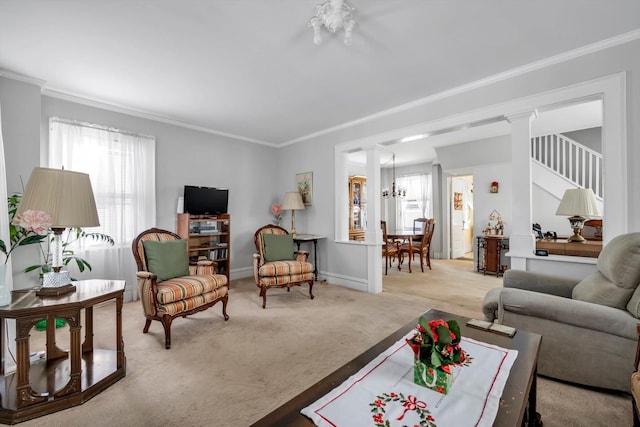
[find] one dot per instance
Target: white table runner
(384, 391)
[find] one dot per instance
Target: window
(122, 170)
(417, 203)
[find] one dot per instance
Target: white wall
(183, 156)
(601, 63)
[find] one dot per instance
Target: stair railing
(578, 164)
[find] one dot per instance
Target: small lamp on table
(293, 202)
(68, 197)
(578, 203)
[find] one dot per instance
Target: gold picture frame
(304, 185)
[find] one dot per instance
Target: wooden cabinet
(357, 207)
(490, 250)
(209, 237)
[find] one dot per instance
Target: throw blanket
(384, 391)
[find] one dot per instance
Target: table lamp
(292, 202)
(68, 197)
(577, 203)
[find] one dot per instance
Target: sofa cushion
(278, 247)
(167, 259)
(619, 260)
(185, 287)
(597, 289)
(617, 277)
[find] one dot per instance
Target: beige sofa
(588, 327)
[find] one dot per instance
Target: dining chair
(422, 247)
(390, 248)
(419, 224)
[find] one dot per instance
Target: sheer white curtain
(4, 211)
(418, 201)
(122, 170)
(9, 326)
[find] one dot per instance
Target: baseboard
(359, 284)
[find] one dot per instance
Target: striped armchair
(170, 297)
(280, 273)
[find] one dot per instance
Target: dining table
(405, 236)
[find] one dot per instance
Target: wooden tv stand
(63, 378)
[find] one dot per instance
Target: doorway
(461, 218)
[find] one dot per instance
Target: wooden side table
(488, 260)
(64, 378)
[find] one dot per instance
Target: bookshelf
(209, 237)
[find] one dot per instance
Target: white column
(373, 233)
(521, 241)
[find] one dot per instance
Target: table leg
(533, 418)
(75, 351)
(88, 327)
(25, 396)
(315, 259)
(410, 252)
(53, 351)
(119, 340)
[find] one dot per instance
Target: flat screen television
(205, 200)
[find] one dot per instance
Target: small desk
(299, 238)
(404, 235)
(518, 403)
(64, 378)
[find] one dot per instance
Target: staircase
(559, 163)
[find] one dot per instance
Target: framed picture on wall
(304, 184)
(457, 201)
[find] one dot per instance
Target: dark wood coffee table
(517, 405)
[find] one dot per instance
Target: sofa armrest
(527, 280)
(581, 314)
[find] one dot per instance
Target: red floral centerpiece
(436, 348)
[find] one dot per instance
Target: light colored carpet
(233, 373)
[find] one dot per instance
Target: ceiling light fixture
(333, 15)
(398, 192)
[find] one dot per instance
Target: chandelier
(398, 191)
(333, 15)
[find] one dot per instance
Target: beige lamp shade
(65, 195)
(292, 201)
(578, 202)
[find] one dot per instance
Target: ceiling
(249, 68)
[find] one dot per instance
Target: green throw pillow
(278, 247)
(167, 259)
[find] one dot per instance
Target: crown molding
(21, 78)
(514, 72)
(92, 102)
(518, 71)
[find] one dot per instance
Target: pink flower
(35, 221)
(276, 209)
